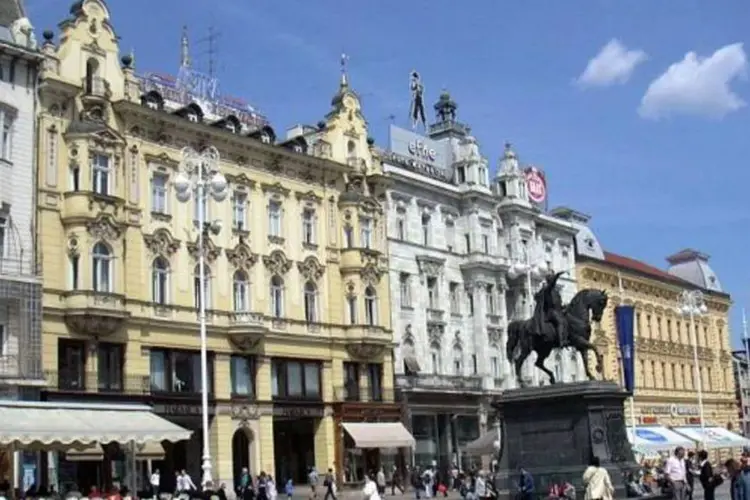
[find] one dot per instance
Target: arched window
(241, 292)
(437, 362)
(197, 296)
(92, 75)
(101, 260)
(311, 302)
(351, 149)
(371, 306)
(160, 280)
(277, 297)
(351, 303)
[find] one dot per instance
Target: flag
(624, 320)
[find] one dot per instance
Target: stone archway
(242, 442)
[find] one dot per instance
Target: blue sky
(656, 177)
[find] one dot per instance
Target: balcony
(96, 314)
(435, 316)
(364, 395)
(86, 206)
(479, 260)
(96, 87)
(494, 319)
(439, 382)
(247, 330)
(95, 383)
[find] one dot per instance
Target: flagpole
(621, 289)
(745, 338)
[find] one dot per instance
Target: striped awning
(75, 426)
(379, 435)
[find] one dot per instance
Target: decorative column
(502, 306)
(479, 322)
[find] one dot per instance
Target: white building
(20, 287)
(464, 251)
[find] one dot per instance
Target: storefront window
(424, 430)
(295, 379)
(179, 371)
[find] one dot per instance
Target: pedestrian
(289, 488)
(312, 480)
(740, 485)
(597, 481)
(154, 481)
(674, 472)
(396, 481)
(689, 475)
(480, 487)
(380, 481)
(370, 491)
(525, 485)
(708, 479)
(330, 485)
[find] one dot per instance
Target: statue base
(553, 431)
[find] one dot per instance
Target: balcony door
(71, 364)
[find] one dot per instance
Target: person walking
(740, 485)
(675, 474)
(330, 485)
(689, 473)
(525, 485)
(708, 479)
(155, 480)
(396, 483)
(380, 481)
(597, 481)
(370, 491)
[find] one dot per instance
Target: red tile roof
(640, 267)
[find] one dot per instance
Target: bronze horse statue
(524, 338)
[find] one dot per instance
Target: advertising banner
(624, 320)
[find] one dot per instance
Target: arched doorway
(241, 441)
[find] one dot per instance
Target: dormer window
(461, 175)
(230, 126)
(265, 138)
(193, 117)
(152, 105)
(297, 148)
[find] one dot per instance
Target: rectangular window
(375, 381)
(110, 361)
(242, 374)
(274, 219)
(470, 296)
(3, 341)
(239, 211)
(404, 289)
(159, 183)
(3, 236)
(461, 175)
(450, 236)
(6, 134)
(455, 298)
(433, 298)
(179, 372)
(71, 365)
(474, 365)
(467, 240)
(401, 228)
(352, 306)
(101, 174)
(308, 226)
(75, 178)
(295, 379)
(348, 237)
(351, 381)
(490, 291)
(426, 231)
(365, 225)
(486, 244)
(495, 366)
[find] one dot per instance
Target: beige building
(666, 392)
(297, 288)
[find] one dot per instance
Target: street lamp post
(692, 304)
(200, 179)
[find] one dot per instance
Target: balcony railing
(92, 382)
(439, 382)
(97, 86)
(361, 395)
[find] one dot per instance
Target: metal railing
(436, 382)
(96, 382)
(361, 395)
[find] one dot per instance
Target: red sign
(536, 185)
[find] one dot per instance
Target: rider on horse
(549, 308)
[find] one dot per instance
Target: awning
(713, 437)
(65, 425)
(657, 438)
(380, 435)
(92, 453)
(483, 445)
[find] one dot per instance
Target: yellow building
(665, 388)
(298, 306)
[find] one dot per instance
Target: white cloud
(697, 86)
(612, 65)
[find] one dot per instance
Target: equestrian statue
(556, 326)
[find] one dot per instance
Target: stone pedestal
(553, 431)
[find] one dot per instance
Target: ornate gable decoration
(494, 336)
(210, 251)
(311, 269)
(241, 257)
(104, 227)
(241, 180)
(276, 188)
(430, 266)
(369, 206)
(370, 274)
(162, 159)
(277, 263)
(161, 242)
(309, 196)
(435, 334)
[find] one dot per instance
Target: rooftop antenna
(212, 41)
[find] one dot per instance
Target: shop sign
(181, 410)
(671, 410)
(298, 411)
(536, 185)
(418, 154)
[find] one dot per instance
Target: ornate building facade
(297, 288)
(466, 254)
(20, 283)
(666, 390)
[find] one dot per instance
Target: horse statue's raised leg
(583, 346)
(540, 358)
